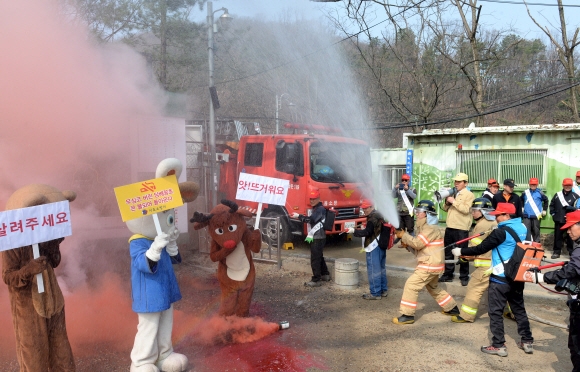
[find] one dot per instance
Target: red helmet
(405, 177)
(567, 182)
(314, 193)
(534, 181)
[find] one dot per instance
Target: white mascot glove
(294, 215)
(456, 252)
(154, 252)
(543, 213)
(350, 230)
(172, 245)
(538, 278)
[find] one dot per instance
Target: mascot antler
(233, 206)
(200, 217)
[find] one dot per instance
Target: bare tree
(565, 49)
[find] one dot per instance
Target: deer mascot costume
(39, 324)
(231, 246)
(153, 283)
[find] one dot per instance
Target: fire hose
(540, 268)
(453, 245)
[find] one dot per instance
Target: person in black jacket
(570, 271)
(508, 196)
(317, 239)
(562, 202)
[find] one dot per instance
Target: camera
(401, 186)
(568, 286)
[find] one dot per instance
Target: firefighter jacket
(570, 271)
(372, 229)
(482, 260)
(499, 241)
(512, 198)
(459, 213)
(401, 206)
(317, 217)
(428, 246)
(539, 199)
(557, 210)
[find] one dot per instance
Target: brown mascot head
(37, 194)
(226, 223)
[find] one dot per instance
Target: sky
(493, 15)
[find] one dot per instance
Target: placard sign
(148, 197)
(33, 225)
(262, 189)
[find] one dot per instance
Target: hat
(578, 173)
(491, 181)
(503, 208)
(314, 193)
(366, 203)
(571, 219)
(496, 184)
(509, 182)
(461, 177)
(567, 182)
(405, 177)
(533, 181)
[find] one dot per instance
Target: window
(521, 165)
(253, 155)
(290, 158)
(390, 176)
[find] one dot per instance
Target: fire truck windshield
(339, 162)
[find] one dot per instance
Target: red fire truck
(313, 156)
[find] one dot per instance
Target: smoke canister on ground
(283, 325)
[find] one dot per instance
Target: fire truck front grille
(346, 213)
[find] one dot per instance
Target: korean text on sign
(144, 198)
(262, 189)
(27, 226)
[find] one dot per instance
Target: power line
(526, 3)
(443, 121)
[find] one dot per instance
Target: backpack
(329, 219)
(387, 236)
(524, 257)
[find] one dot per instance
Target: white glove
(294, 215)
(350, 230)
(538, 278)
(456, 252)
(543, 213)
(154, 252)
(172, 245)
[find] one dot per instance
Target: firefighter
(491, 190)
(376, 269)
(508, 196)
(570, 271)
(458, 224)
(427, 246)
(502, 242)
(562, 202)
(317, 239)
(479, 278)
(405, 200)
(535, 205)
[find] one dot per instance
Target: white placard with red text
(33, 225)
(262, 189)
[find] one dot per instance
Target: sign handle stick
(157, 225)
(258, 214)
(39, 281)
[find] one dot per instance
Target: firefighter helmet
(425, 206)
(484, 206)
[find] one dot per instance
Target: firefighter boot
(404, 319)
(454, 311)
(458, 319)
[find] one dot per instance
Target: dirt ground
(333, 329)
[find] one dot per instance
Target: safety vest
(438, 243)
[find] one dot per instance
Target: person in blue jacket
(502, 242)
(535, 206)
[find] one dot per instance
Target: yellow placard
(148, 197)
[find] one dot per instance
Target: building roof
(503, 129)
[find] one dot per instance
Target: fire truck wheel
(269, 230)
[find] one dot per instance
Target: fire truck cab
(338, 166)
